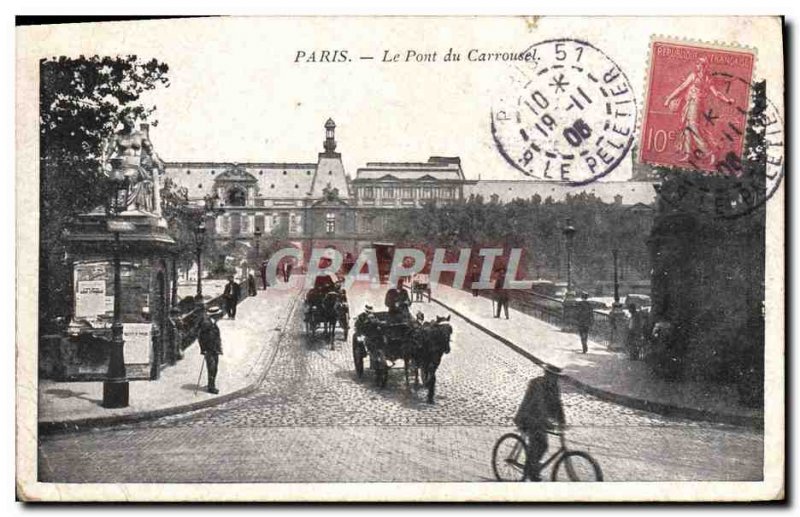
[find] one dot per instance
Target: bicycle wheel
(509, 457)
(576, 466)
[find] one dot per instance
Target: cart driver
(540, 411)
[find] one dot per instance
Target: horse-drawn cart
(326, 305)
(385, 342)
(387, 338)
(421, 288)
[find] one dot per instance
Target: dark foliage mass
(536, 226)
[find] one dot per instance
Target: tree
(80, 102)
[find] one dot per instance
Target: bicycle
(510, 461)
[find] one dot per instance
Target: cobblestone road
(313, 420)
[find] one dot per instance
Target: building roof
(275, 180)
(436, 168)
(330, 175)
(632, 192)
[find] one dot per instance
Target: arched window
(236, 197)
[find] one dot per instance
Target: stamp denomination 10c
(695, 112)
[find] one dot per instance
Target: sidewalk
(247, 344)
(600, 372)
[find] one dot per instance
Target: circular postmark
(737, 186)
(569, 114)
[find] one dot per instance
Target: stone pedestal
(83, 353)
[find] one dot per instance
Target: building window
(284, 173)
(274, 220)
(367, 224)
(407, 193)
(427, 193)
(293, 223)
(188, 172)
(388, 192)
(308, 173)
(330, 223)
(369, 193)
(236, 197)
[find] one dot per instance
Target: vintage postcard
(401, 259)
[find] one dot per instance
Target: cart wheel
(382, 377)
(358, 358)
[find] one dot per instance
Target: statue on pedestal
(128, 155)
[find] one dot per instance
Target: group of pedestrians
(208, 336)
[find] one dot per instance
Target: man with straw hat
(210, 345)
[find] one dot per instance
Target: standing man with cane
(210, 346)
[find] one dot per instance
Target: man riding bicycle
(540, 411)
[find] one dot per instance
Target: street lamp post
(569, 234)
(616, 279)
(115, 387)
(257, 236)
(568, 320)
(199, 239)
(617, 315)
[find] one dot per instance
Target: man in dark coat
(231, 296)
(264, 275)
(500, 293)
(398, 302)
(635, 333)
(390, 300)
(585, 318)
(474, 277)
(539, 412)
(210, 345)
(288, 272)
(251, 285)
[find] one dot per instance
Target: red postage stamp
(696, 106)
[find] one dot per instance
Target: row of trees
(536, 226)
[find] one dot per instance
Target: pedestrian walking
(231, 296)
(282, 270)
(635, 334)
(264, 275)
(585, 317)
(210, 345)
(175, 336)
(474, 277)
(501, 293)
(251, 285)
(287, 272)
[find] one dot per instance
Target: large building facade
(316, 204)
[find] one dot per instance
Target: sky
(237, 93)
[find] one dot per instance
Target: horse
(335, 310)
(313, 311)
(431, 341)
